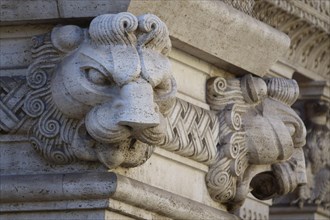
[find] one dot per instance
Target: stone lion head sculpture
(101, 94)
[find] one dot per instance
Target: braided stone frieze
(106, 94)
(192, 132)
(12, 93)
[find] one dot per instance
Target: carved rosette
(260, 139)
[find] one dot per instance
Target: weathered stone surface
(307, 23)
(175, 171)
(254, 209)
(235, 41)
(22, 11)
(107, 94)
(315, 90)
(111, 97)
(17, 10)
(296, 213)
(83, 8)
(57, 187)
(260, 138)
(219, 34)
(18, 48)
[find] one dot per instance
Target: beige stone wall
(209, 39)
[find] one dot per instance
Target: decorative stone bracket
(107, 94)
(97, 94)
(260, 139)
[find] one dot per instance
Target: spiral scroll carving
(48, 126)
(112, 29)
(248, 123)
(86, 89)
(217, 86)
(37, 79)
(34, 104)
(153, 34)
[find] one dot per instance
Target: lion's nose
(139, 109)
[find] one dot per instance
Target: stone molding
(257, 45)
(307, 23)
(99, 187)
(314, 12)
(226, 27)
(107, 94)
(283, 212)
(309, 41)
(315, 90)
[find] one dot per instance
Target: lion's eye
(96, 76)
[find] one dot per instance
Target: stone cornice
(309, 39)
(314, 12)
(309, 208)
(307, 23)
(234, 41)
(316, 90)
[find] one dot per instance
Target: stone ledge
(75, 209)
(279, 210)
(31, 11)
(59, 187)
(319, 90)
(234, 41)
(219, 34)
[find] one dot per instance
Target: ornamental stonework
(107, 94)
(306, 22)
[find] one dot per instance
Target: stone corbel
(96, 94)
(107, 94)
(260, 139)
